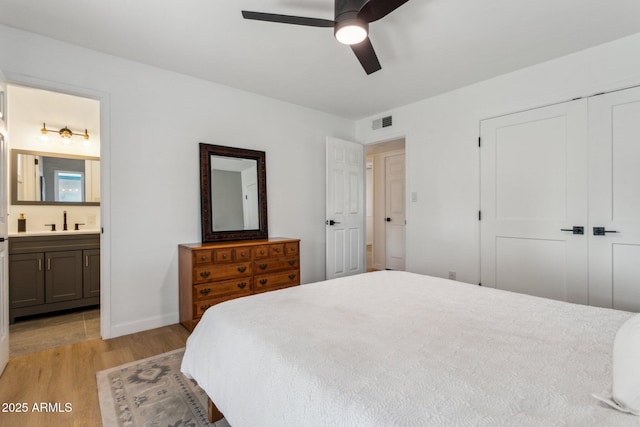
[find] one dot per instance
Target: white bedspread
(399, 349)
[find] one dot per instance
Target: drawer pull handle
(277, 251)
(205, 291)
(262, 252)
(242, 269)
(292, 276)
(262, 266)
(291, 262)
(263, 281)
(203, 258)
(205, 274)
(242, 285)
(204, 307)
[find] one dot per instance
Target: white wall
(443, 157)
(151, 199)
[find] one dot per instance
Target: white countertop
(55, 233)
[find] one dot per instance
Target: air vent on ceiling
(384, 122)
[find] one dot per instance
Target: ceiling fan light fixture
(352, 31)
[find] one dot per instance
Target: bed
(402, 349)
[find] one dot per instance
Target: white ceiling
(426, 47)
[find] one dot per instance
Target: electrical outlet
(452, 275)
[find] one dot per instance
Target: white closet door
(533, 185)
(614, 199)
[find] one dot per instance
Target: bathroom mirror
(233, 190)
(40, 178)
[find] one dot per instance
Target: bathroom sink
(55, 233)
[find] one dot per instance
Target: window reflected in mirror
(52, 178)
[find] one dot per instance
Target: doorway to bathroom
(54, 218)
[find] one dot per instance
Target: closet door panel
(614, 199)
(534, 185)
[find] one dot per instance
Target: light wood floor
(67, 374)
(40, 333)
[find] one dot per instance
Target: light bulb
(351, 31)
(351, 34)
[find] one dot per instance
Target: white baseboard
(143, 324)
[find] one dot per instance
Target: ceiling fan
(350, 26)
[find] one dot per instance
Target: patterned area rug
(152, 392)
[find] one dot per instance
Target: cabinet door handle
(86, 260)
(49, 264)
(39, 264)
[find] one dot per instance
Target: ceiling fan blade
(288, 19)
(367, 56)
(376, 9)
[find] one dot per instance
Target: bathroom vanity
(53, 271)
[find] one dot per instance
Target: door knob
(387, 219)
(576, 229)
(600, 231)
(331, 222)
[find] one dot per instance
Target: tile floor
(40, 333)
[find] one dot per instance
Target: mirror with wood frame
(233, 188)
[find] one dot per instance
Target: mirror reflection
(234, 194)
(52, 178)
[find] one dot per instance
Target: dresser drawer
(276, 280)
(202, 257)
(242, 254)
(260, 252)
(225, 287)
(276, 250)
(223, 255)
(199, 307)
(277, 264)
(208, 273)
(291, 249)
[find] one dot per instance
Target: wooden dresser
(211, 273)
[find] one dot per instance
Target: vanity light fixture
(65, 133)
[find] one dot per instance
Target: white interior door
(395, 217)
(614, 199)
(533, 186)
(345, 220)
(4, 252)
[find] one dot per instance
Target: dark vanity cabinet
(54, 272)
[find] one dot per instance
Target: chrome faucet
(64, 226)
